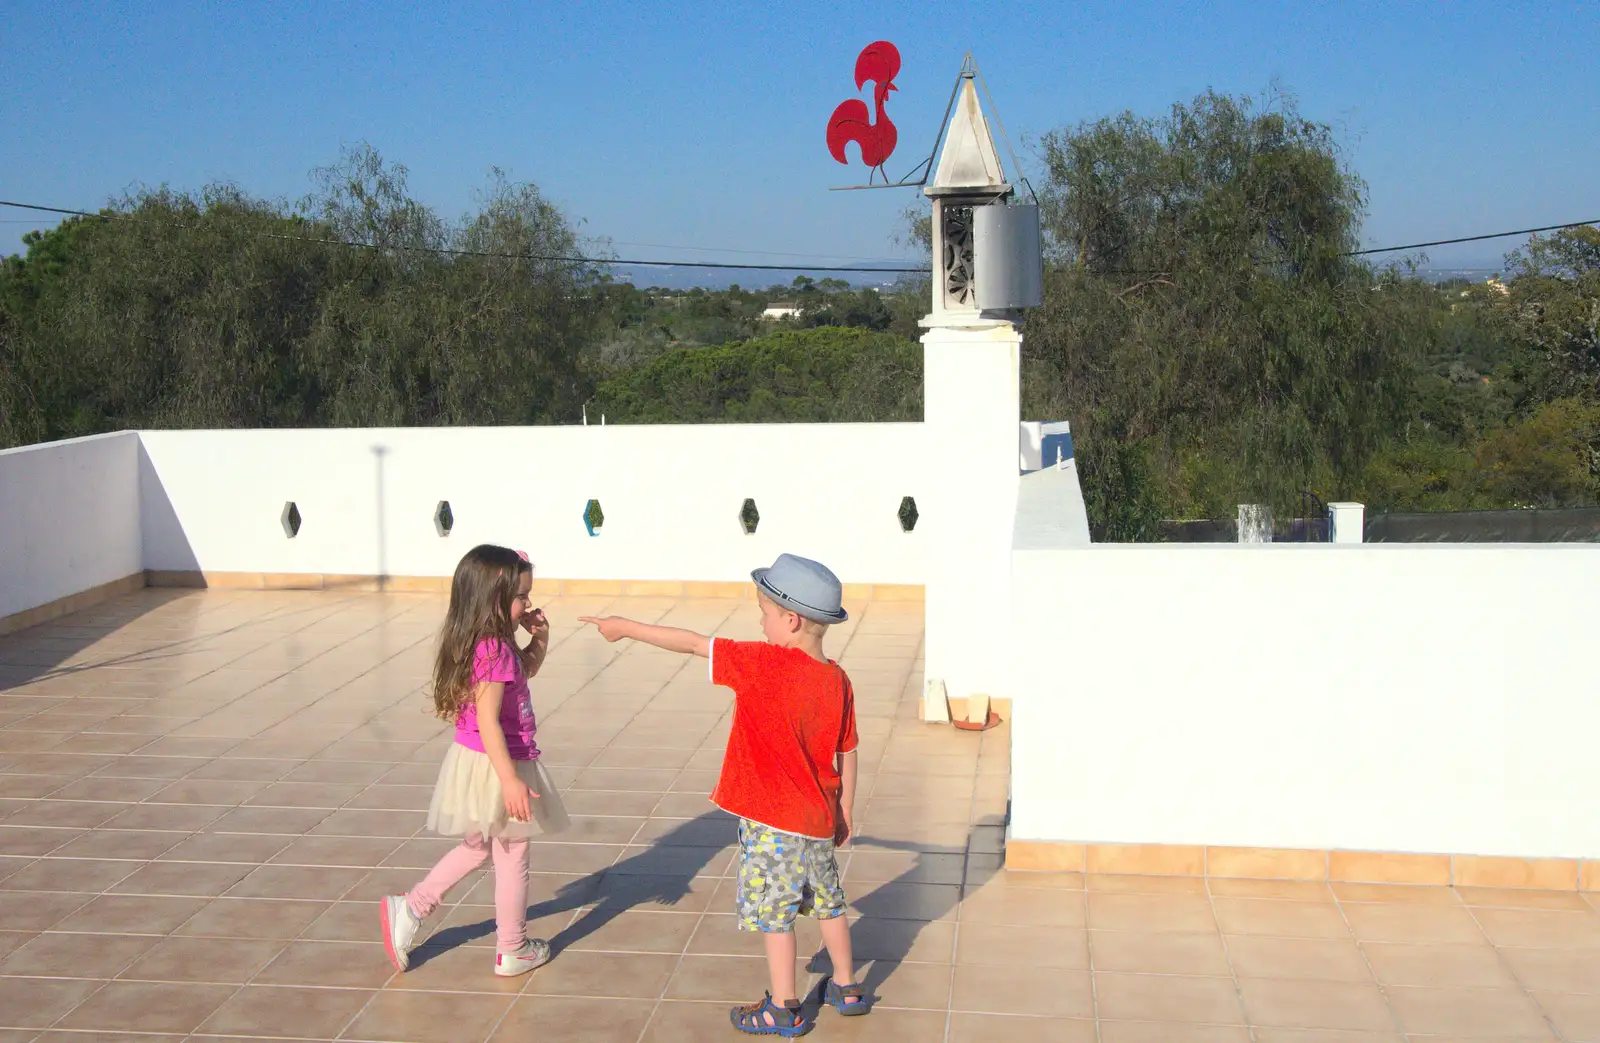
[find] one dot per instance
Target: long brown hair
(480, 608)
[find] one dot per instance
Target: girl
(492, 791)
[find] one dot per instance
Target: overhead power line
(1470, 238)
(454, 252)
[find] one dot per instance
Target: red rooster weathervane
(880, 63)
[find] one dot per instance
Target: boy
(789, 775)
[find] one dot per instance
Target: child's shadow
(888, 919)
(662, 874)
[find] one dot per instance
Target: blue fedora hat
(804, 587)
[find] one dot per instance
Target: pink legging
(510, 884)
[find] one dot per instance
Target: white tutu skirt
(467, 799)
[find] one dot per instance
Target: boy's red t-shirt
(792, 717)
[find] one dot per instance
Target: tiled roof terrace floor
(202, 795)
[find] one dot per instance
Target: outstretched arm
(615, 628)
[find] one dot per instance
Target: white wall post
(970, 415)
(1346, 522)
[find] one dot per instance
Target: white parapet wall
(69, 519)
(1408, 698)
(212, 501)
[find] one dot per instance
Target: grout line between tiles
(1505, 964)
(1383, 989)
(1227, 956)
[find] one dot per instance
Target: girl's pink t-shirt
(493, 661)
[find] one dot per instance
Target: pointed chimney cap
(968, 163)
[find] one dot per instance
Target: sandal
(752, 1019)
(849, 1000)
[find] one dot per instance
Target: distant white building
(781, 310)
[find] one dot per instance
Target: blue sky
(701, 125)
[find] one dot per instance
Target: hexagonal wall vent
(444, 519)
(290, 519)
(749, 517)
(907, 514)
(593, 517)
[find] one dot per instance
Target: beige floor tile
(1157, 953)
(40, 1002)
(1150, 913)
(631, 931)
(1420, 924)
(362, 965)
(982, 1028)
(727, 979)
(998, 945)
(350, 852)
(626, 975)
(1504, 1013)
(568, 1019)
(38, 910)
(181, 817)
(259, 1010)
(1168, 1032)
(1283, 1035)
(1118, 883)
(133, 844)
(1554, 970)
(1315, 1005)
(428, 1017)
(128, 1006)
(1538, 929)
(673, 860)
(921, 941)
(867, 866)
(250, 849)
(253, 918)
(1522, 898)
(709, 830)
(1167, 997)
(11, 941)
(70, 874)
(1396, 894)
(58, 955)
(910, 902)
(997, 903)
(218, 960)
(1576, 1017)
(312, 883)
(131, 914)
(679, 1021)
(1282, 919)
(1451, 966)
(389, 797)
(357, 822)
(1289, 890)
(80, 814)
(287, 821)
(1045, 991)
(1317, 959)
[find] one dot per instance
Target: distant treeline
(1204, 328)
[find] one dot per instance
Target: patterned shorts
(782, 876)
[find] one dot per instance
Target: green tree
(1551, 310)
(1202, 314)
(221, 310)
(824, 375)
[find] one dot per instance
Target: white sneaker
(535, 952)
(399, 929)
